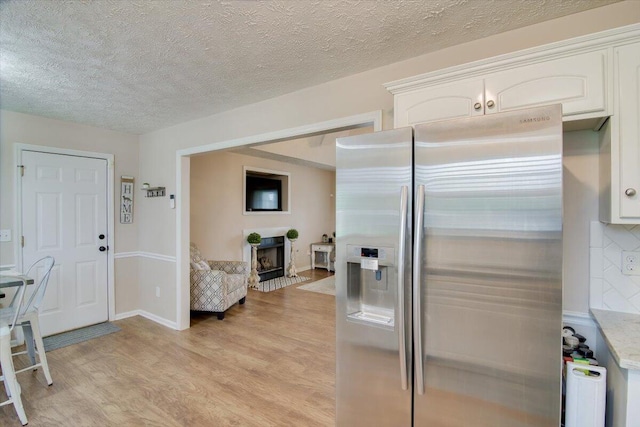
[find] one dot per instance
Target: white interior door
(64, 214)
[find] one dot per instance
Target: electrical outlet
(157, 291)
(5, 235)
(631, 263)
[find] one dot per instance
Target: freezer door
(488, 291)
(373, 272)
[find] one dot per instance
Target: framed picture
(126, 200)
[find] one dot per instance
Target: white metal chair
(29, 319)
(8, 320)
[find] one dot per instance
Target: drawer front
(322, 248)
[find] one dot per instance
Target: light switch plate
(631, 263)
(5, 235)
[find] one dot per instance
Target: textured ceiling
(138, 66)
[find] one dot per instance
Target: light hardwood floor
(270, 362)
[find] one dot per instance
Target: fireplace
(271, 258)
(267, 234)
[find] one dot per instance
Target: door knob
(477, 106)
(630, 192)
(490, 103)
(102, 248)
(101, 237)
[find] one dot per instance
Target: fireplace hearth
(271, 258)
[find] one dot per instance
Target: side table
(325, 249)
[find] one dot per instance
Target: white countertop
(621, 331)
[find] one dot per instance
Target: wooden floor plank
(270, 362)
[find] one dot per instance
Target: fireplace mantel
(266, 232)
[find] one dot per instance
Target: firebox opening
(271, 258)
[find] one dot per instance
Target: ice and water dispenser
(371, 294)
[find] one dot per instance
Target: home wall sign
(126, 200)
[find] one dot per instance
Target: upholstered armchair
(217, 285)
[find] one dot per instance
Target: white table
(326, 249)
(9, 281)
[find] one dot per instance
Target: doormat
(78, 335)
(280, 282)
(324, 286)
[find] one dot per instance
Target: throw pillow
(204, 265)
(200, 265)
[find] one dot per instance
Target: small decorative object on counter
(325, 238)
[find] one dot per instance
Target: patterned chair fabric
(220, 287)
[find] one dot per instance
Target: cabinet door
(627, 109)
(578, 82)
(430, 104)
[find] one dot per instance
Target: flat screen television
(263, 194)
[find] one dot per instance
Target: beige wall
(27, 129)
(217, 221)
(157, 292)
(126, 283)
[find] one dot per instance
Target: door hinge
(22, 241)
(21, 170)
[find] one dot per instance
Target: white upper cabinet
(625, 125)
(461, 99)
(577, 82)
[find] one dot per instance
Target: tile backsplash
(609, 288)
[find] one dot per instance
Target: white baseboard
(142, 254)
(303, 268)
(125, 315)
(161, 320)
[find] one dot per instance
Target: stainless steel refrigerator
(449, 273)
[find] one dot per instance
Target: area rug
(324, 286)
(280, 282)
(79, 335)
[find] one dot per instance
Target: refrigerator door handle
(402, 345)
(417, 266)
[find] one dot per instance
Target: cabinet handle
(490, 103)
(477, 106)
(630, 192)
